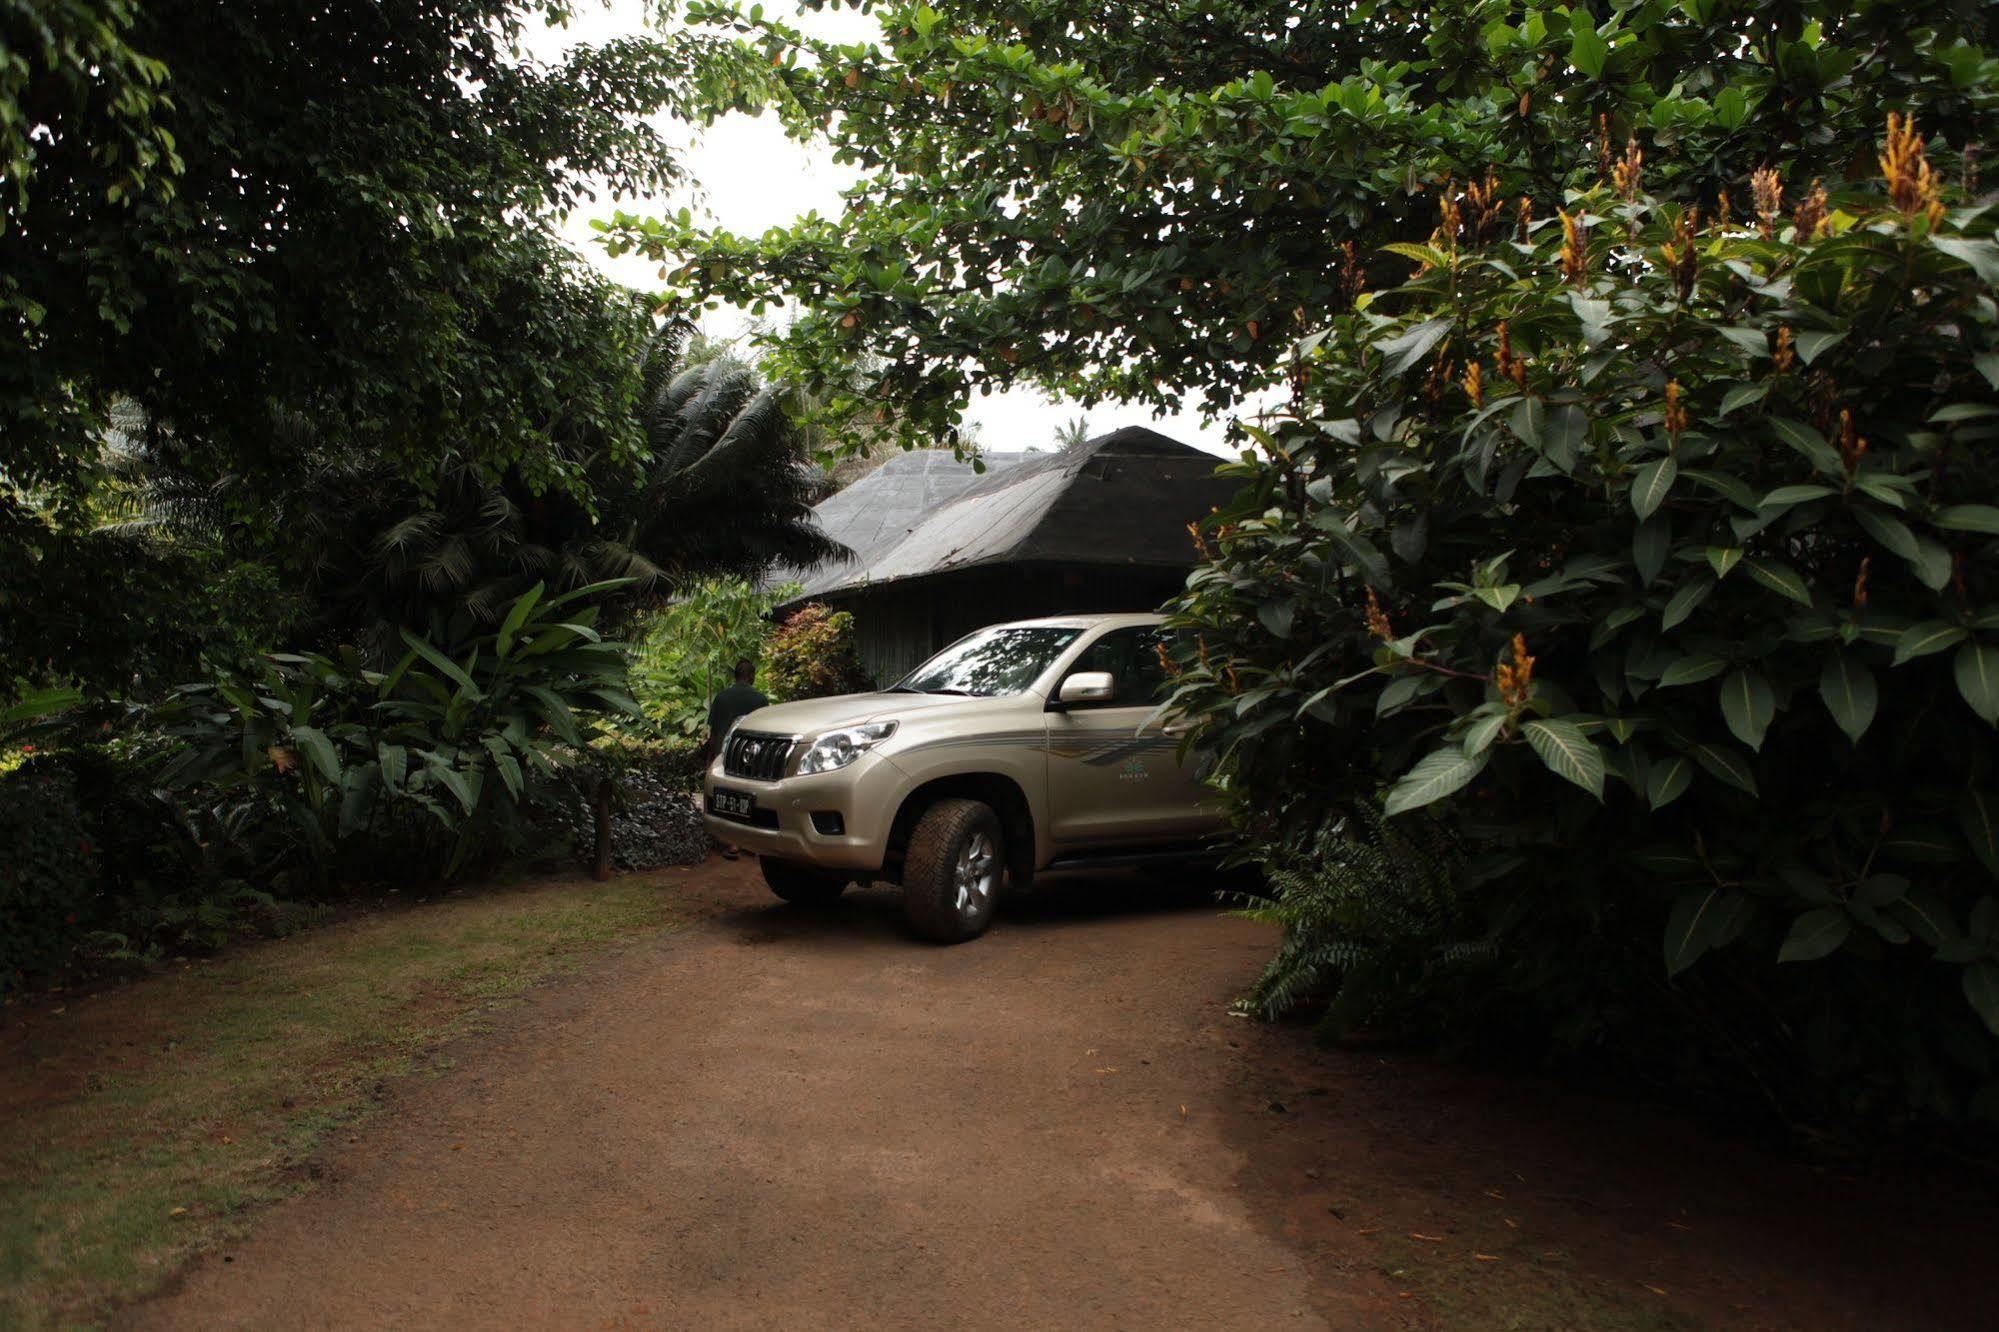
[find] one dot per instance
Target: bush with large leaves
(1655, 548)
(435, 754)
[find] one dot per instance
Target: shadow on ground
(1068, 900)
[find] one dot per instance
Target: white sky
(749, 177)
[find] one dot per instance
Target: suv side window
(1132, 657)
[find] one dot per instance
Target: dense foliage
(1142, 201)
(433, 757)
(811, 654)
(229, 216)
(49, 877)
(1658, 542)
(685, 653)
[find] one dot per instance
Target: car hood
(815, 715)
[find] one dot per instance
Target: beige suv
(1020, 748)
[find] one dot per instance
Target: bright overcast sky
(749, 177)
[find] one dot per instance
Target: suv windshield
(991, 662)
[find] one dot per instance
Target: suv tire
(952, 870)
(801, 885)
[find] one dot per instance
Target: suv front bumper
(864, 794)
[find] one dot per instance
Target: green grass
(1519, 1290)
(142, 1125)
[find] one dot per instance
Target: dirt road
(779, 1119)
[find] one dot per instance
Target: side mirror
(1087, 687)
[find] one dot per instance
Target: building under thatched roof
(940, 549)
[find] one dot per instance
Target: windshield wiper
(963, 693)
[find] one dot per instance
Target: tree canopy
(1141, 201)
(227, 217)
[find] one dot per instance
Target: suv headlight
(836, 749)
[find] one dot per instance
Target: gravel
(653, 822)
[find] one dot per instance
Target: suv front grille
(755, 755)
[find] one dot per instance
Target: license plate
(732, 804)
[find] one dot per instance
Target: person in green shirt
(729, 707)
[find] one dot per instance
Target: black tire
(953, 835)
(802, 885)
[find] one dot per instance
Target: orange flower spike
(1377, 619)
(1676, 415)
(1860, 584)
(1852, 444)
(1474, 383)
(1768, 189)
(1912, 184)
(1523, 218)
(1515, 679)
(1810, 217)
(1629, 173)
(1575, 250)
(1782, 353)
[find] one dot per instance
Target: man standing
(731, 706)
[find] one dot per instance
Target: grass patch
(1518, 1290)
(142, 1125)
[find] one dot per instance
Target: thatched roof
(1121, 499)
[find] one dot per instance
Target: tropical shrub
(435, 755)
(48, 877)
(683, 653)
(811, 655)
(1373, 921)
(1653, 546)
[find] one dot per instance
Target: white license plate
(733, 804)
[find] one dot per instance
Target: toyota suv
(1020, 748)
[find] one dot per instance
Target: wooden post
(601, 870)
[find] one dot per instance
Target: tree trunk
(601, 869)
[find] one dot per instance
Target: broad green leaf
(1422, 254)
(1567, 752)
(1668, 780)
(1723, 558)
(443, 663)
(1410, 346)
(1436, 776)
(1744, 394)
(1815, 934)
(1847, 687)
(1480, 734)
(1780, 578)
(1812, 344)
(1978, 815)
(517, 615)
(1977, 670)
(1785, 496)
(1692, 669)
(1588, 52)
(1650, 545)
(1982, 255)
(1727, 764)
(1747, 705)
(393, 760)
(1890, 531)
(1810, 443)
(1683, 602)
(1689, 928)
(1650, 486)
(312, 742)
(1981, 990)
(1922, 639)
(1981, 518)
(1277, 616)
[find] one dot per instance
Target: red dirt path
(779, 1119)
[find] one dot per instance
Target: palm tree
(1072, 433)
(723, 488)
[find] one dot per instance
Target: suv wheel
(801, 884)
(952, 870)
